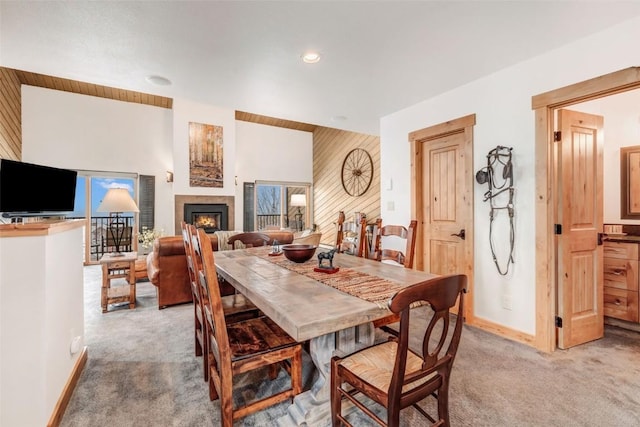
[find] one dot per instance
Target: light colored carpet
(141, 372)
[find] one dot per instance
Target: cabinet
(621, 280)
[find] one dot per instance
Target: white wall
(621, 114)
(502, 104)
(73, 131)
(41, 311)
(270, 153)
(67, 130)
(251, 152)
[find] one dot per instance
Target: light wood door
(580, 213)
(445, 228)
(443, 199)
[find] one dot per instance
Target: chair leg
(296, 372)
(205, 348)
(205, 359)
(336, 397)
(443, 404)
(213, 393)
(196, 327)
(226, 399)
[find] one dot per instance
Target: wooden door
(580, 214)
(443, 199)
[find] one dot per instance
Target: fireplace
(210, 216)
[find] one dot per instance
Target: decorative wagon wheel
(357, 172)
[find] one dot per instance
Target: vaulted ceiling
(377, 57)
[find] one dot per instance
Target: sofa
(167, 266)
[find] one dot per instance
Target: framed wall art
(205, 155)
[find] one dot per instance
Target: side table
(114, 267)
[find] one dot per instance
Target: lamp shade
(298, 200)
(117, 200)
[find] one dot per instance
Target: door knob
(461, 234)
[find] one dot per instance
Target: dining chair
(394, 257)
(200, 335)
(395, 376)
(351, 236)
(249, 239)
(247, 345)
(236, 306)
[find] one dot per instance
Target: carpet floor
(141, 371)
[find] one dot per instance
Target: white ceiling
(378, 57)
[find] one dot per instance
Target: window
(275, 207)
(91, 187)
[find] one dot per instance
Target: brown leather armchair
(167, 267)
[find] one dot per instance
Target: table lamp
(298, 200)
(116, 201)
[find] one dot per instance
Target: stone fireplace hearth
(181, 201)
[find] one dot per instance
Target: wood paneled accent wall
(330, 146)
(10, 115)
(84, 88)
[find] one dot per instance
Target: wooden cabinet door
(580, 272)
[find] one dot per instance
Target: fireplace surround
(182, 200)
(210, 216)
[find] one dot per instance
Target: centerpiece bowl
(299, 253)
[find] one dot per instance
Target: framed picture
(630, 182)
(205, 155)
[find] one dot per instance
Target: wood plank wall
(10, 115)
(84, 88)
(330, 146)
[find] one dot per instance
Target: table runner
(355, 283)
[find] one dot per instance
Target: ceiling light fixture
(311, 57)
(159, 80)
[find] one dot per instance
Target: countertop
(622, 238)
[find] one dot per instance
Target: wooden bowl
(299, 253)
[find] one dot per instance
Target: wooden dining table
(333, 321)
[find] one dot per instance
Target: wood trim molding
(608, 84)
(546, 202)
(67, 391)
(416, 138)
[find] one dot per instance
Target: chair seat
(252, 337)
(375, 365)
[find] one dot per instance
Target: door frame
(544, 106)
(416, 138)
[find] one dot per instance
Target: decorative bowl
(299, 253)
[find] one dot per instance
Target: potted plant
(146, 238)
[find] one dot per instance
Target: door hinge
(558, 322)
(557, 228)
(557, 136)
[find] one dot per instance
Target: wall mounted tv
(27, 189)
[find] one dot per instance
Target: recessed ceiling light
(159, 80)
(311, 57)
(338, 118)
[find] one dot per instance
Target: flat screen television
(30, 189)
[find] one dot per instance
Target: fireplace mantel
(180, 201)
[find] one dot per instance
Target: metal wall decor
(357, 172)
(498, 175)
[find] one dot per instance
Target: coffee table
(115, 267)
